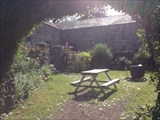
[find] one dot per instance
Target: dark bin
(137, 71)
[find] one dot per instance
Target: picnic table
(100, 84)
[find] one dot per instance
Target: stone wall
(45, 33)
(120, 37)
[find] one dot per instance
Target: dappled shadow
(92, 94)
(89, 95)
(143, 79)
(7, 92)
(8, 97)
(107, 95)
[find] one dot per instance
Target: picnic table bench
(100, 84)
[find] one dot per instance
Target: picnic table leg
(75, 91)
(91, 85)
(110, 79)
(94, 80)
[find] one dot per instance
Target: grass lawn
(50, 96)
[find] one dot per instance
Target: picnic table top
(94, 71)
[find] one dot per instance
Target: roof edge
(52, 25)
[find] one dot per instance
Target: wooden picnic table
(100, 84)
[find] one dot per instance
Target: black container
(137, 71)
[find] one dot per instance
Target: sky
(106, 10)
(112, 12)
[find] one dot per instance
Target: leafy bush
(146, 112)
(101, 56)
(144, 56)
(156, 45)
(22, 63)
(121, 63)
(39, 54)
(143, 52)
(144, 48)
(65, 57)
(82, 62)
(26, 70)
(68, 60)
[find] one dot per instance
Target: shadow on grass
(92, 94)
(143, 79)
(107, 95)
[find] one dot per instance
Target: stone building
(46, 32)
(118, 32)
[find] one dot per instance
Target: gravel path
(83, 109)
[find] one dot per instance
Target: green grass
(46, 99)
(50, 97)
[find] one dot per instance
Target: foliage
(66, 57)
(146, 13)
(39, 53)
(44, 100)
(54, 94)
(22, 63)
(145, 112)
(26, 73)
(82, 62)
(27, 70)
(143, 55)
(143, 51)
(18, 17)
(121, 63)
(156, 46)
(101, 56)
(73, 61)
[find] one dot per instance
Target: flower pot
(137, 71)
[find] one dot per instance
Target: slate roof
(52, 25)
(110, 20)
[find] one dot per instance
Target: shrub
(65, 57)
(68, 60)
(101, 56)
(144, 56)
(82, 62)
(26, 71)
(121, 63)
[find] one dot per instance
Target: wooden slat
(85, 86)
(102, 81)
(110, 83)
(78, 81)
(94, 71)
(80, 90)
